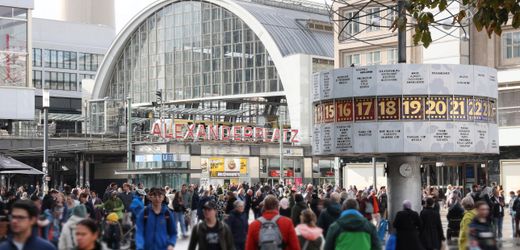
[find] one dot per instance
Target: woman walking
(407, 225)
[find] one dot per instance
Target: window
(374, 19)
(349, 59)
(511, 45)
(352, 25)
(37, 57)
(391, 57)
(392, 15)
(373, 58)
(37, 79)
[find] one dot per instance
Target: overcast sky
(125, 9)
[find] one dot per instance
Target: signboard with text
(406, 108)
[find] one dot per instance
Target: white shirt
(19, 245)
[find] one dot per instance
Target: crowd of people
(218, 218)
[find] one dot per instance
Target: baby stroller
(455, 214)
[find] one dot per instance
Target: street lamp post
(128, 135)
(280, 128)
(45, 170)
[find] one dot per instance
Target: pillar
(401, 187)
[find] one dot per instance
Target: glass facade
(13, 47)
(60, 68)
(192, 50)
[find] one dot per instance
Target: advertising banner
(222, 167)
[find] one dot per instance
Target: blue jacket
(154, 235)
(136, 206)
(34, 242)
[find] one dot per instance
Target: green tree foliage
(488, 15)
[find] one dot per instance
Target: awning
(158, 171)
(25, 171)
(8, 163)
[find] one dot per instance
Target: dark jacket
(202, 201)
(296, 212)
(497, 206)
(229, 205)
(454, 216)
(352, 231)
(285, 212)
(195, 200)
(34, 242)
(329, 216)
(248, 200)
(431, 231)
(127, 200)
(237, 222)
(483, 233)
(407, 225)
(198, 237)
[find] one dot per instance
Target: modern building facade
(16, 90)
(367, 40)
(225, 76)
(64, 53)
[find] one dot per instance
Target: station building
(214, 86)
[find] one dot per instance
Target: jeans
(193, 217)
(179, 219)
(513, 225)
(498, 221)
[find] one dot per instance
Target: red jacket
(286, 228)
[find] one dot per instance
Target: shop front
(324, 171)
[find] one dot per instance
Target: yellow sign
(243, 166)
(226, 167)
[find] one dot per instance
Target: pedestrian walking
(516, 208)
(352, 230)
(211, 233)
(68, 237)
(285, 209)
(87, 233)
(271, 230)
(179, 209)
(469, 213)
(331, 213)
(512, 212)
(498, 204)
(431, 234)
(24, 215)
(481, 232)
(238, 224)
(155, 224)
(407, 224)
(309, 234)
(299, 206)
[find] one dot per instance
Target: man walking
(271, 229)
(352, 230)
(512, 212)
(211, 233)
(155, 224)
(24, 215)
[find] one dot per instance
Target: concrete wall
(362, 175)
(106, 170)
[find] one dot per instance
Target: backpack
(383, 228)
(270, 235)
(166, 217)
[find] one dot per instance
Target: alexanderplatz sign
(405, 109)
(168, 129)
